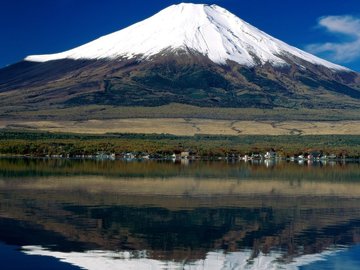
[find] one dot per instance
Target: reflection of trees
(201, 170)
(82, 220)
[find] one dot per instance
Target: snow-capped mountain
(206, 29)
(201, 55)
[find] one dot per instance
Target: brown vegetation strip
(188, 186)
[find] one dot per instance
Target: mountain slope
(192, 54)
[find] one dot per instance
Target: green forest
(42, 144)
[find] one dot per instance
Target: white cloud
(348, 29)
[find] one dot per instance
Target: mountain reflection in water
(207, 215)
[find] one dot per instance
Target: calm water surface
(76, 214)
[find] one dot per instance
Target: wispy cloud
(347, 28)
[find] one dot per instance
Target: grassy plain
(191, 126)
(176, 127)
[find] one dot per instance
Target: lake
(89, 214)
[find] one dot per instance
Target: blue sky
(328, 28)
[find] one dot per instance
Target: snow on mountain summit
(206, 29)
